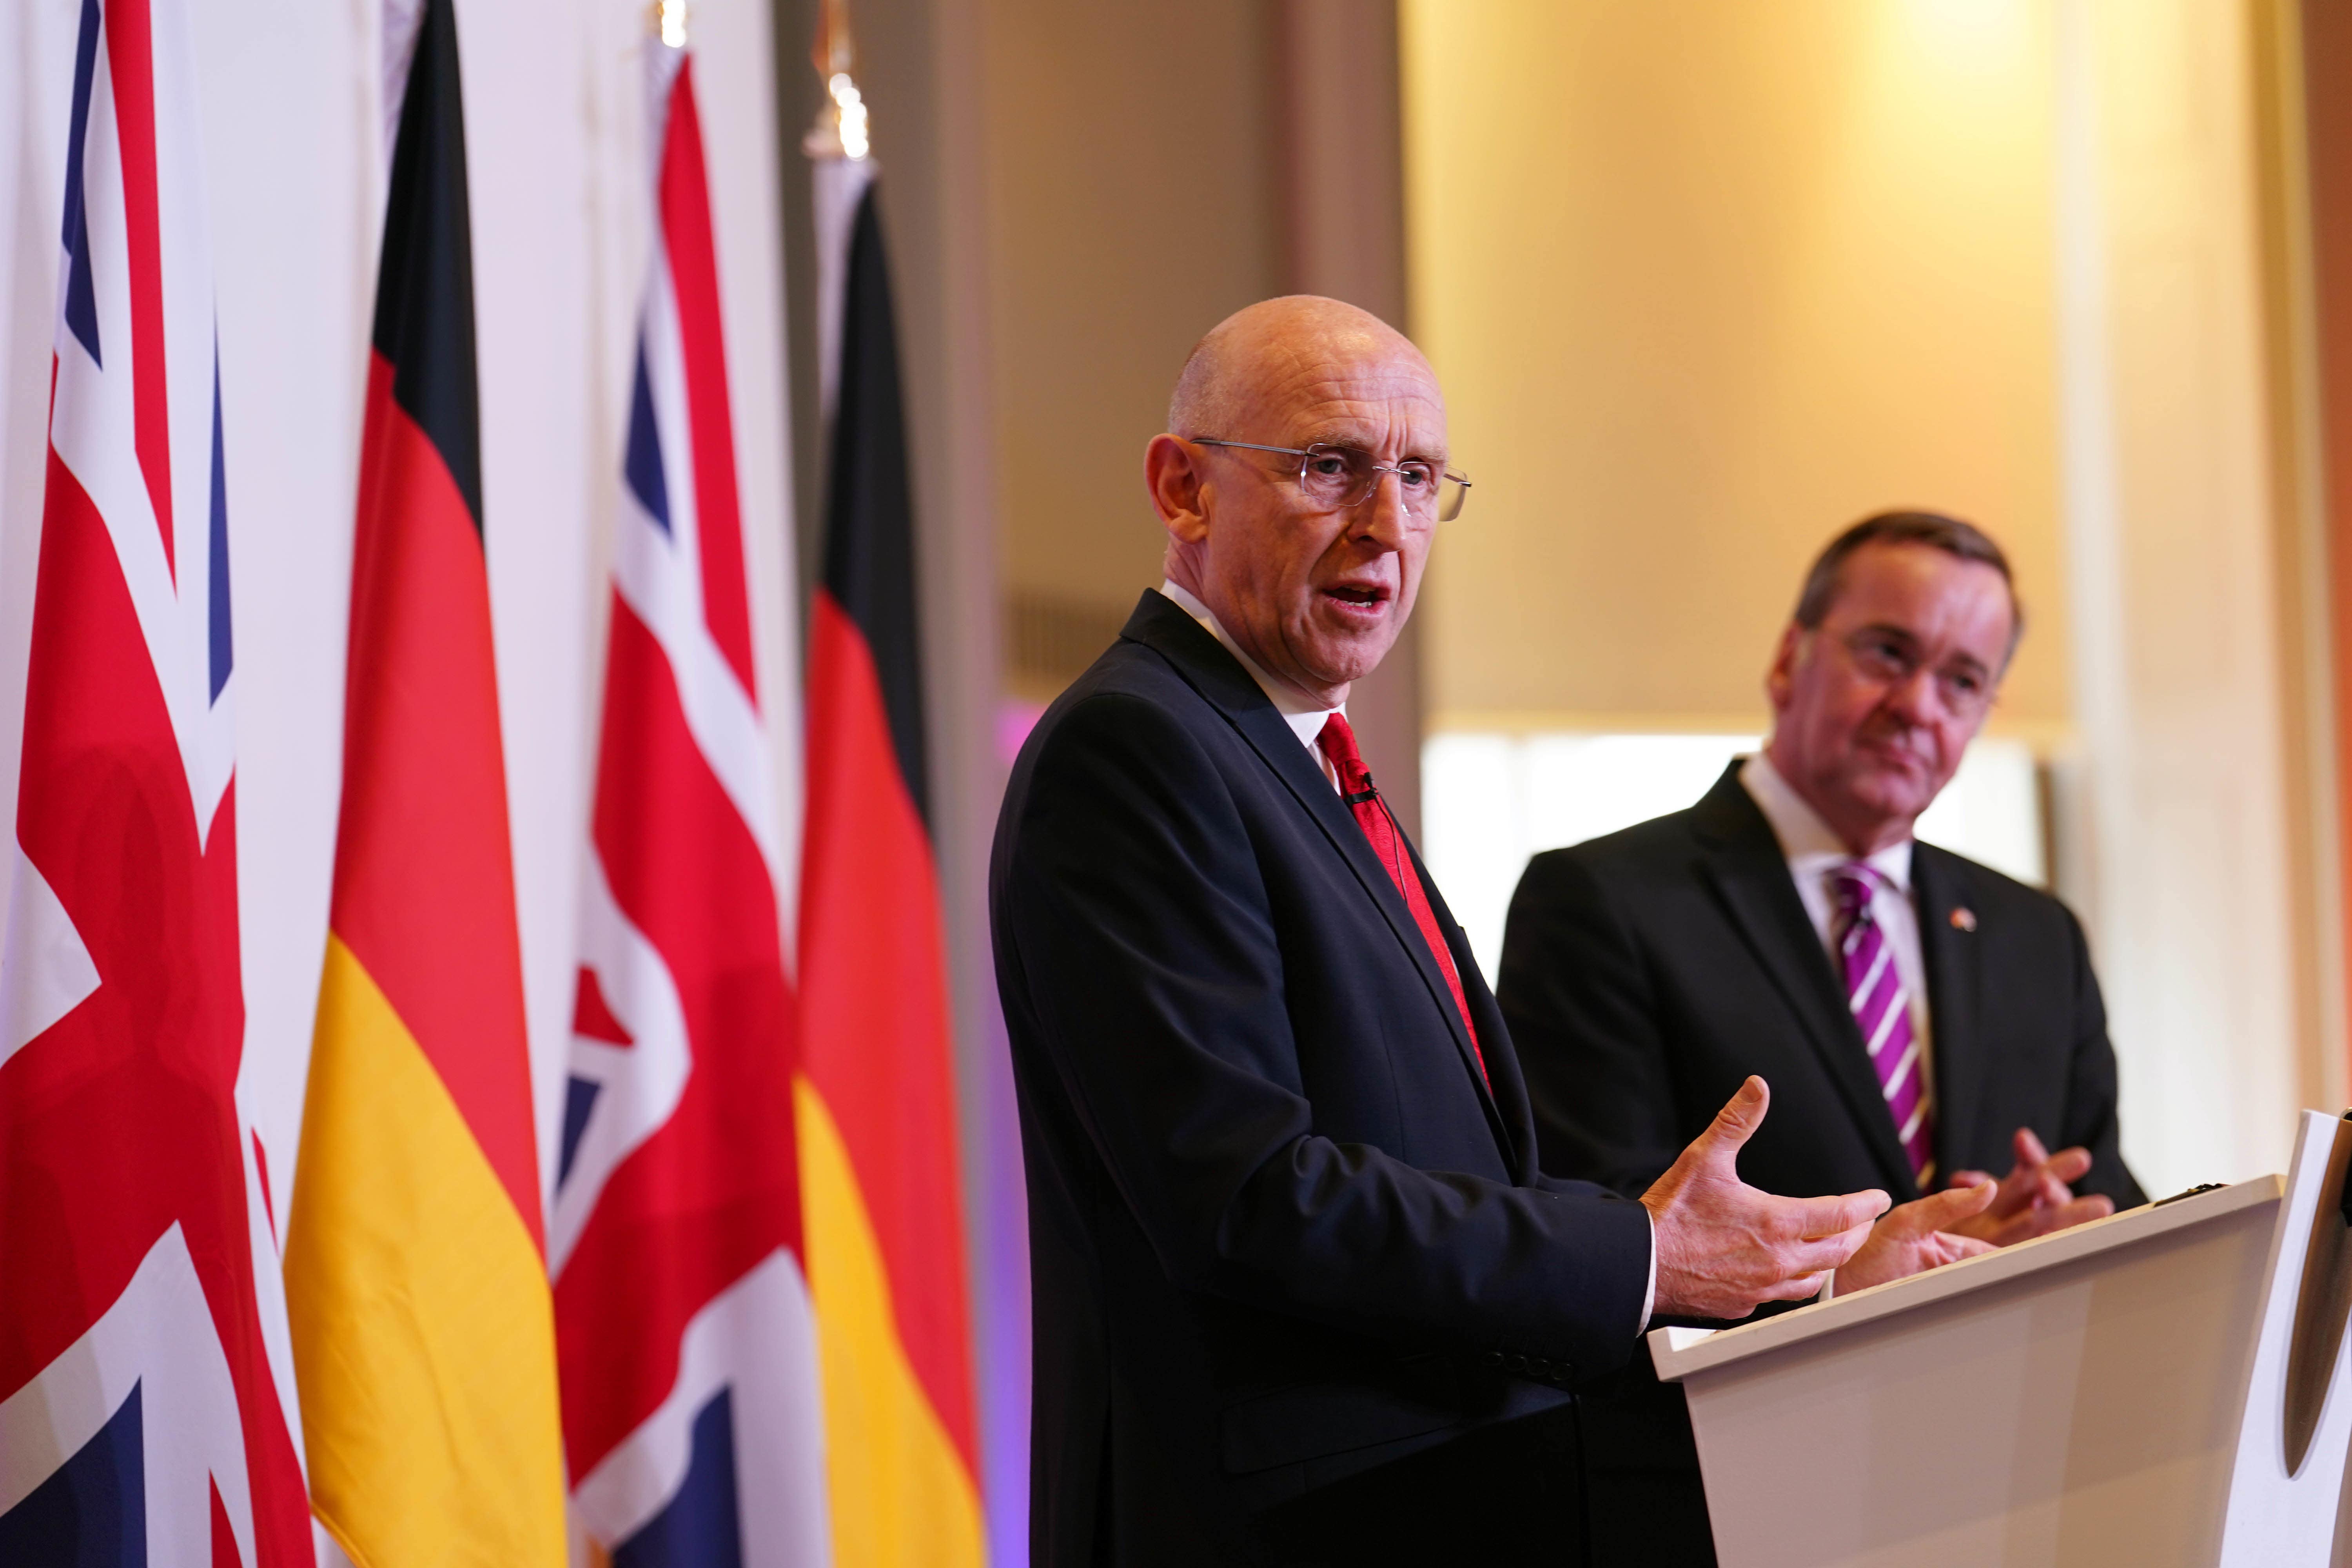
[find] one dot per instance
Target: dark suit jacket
(1279, 1232)
(1646, 973)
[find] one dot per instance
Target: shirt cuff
(1649, 1291)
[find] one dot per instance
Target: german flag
(878, 1120)
(424, 1334)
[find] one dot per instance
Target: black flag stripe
(869, 541)
(424, 287)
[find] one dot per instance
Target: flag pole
(839, 147)
(841, 128)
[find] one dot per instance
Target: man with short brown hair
(1922, 1019)
(1771, 928)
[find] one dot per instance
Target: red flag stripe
(873, 967)
(592, 1015)
(423, 867)
(130, 48)
(694, 278)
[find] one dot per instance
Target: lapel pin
(1964, 919)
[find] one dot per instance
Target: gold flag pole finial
(841, 129)
(835, 52)
(668, 17)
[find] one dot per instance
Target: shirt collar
(1305, 716)
(1808, 842)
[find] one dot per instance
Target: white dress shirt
(1814, 853)
(1306, 718)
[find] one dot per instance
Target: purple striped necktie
(1882, 1008)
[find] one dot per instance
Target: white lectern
(2167, 1385)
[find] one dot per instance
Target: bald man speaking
(1301, 1293)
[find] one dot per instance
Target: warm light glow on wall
(1980, 39)
(1705, 283)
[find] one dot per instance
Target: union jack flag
(691, 1417)
(143, 1351)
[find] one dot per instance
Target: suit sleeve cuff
(1649, 1291)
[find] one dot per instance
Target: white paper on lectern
(2275, 1517)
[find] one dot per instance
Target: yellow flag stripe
(901, 1496)
(424, 1332)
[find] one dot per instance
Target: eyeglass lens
(1338, 477)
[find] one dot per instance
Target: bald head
(1229, 372)
(1315, 592)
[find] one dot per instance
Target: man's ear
(1171, 472)
(1781, 680)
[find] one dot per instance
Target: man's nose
(1380, 517)
(1916, 697)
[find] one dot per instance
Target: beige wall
(1152, 167)
(1705, 281)
(1131, 205)
(2190, 645)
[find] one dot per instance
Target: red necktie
(1337, 741)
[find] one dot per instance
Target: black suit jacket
(1279, 1231)
(1646, 973)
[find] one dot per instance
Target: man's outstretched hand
(2035, 1198)
(1723, 1247)
(1923, 1234)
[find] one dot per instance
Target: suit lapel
(1749, 874)
(1507, 1087)
(1950, 955)
(1161, 624)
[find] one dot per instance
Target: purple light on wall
(998, 1207)
(1001, 1297)
(1015, 720)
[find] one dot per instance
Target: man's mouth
(1359, 596)
(1890, 751)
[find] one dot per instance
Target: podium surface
(2076, 1399)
